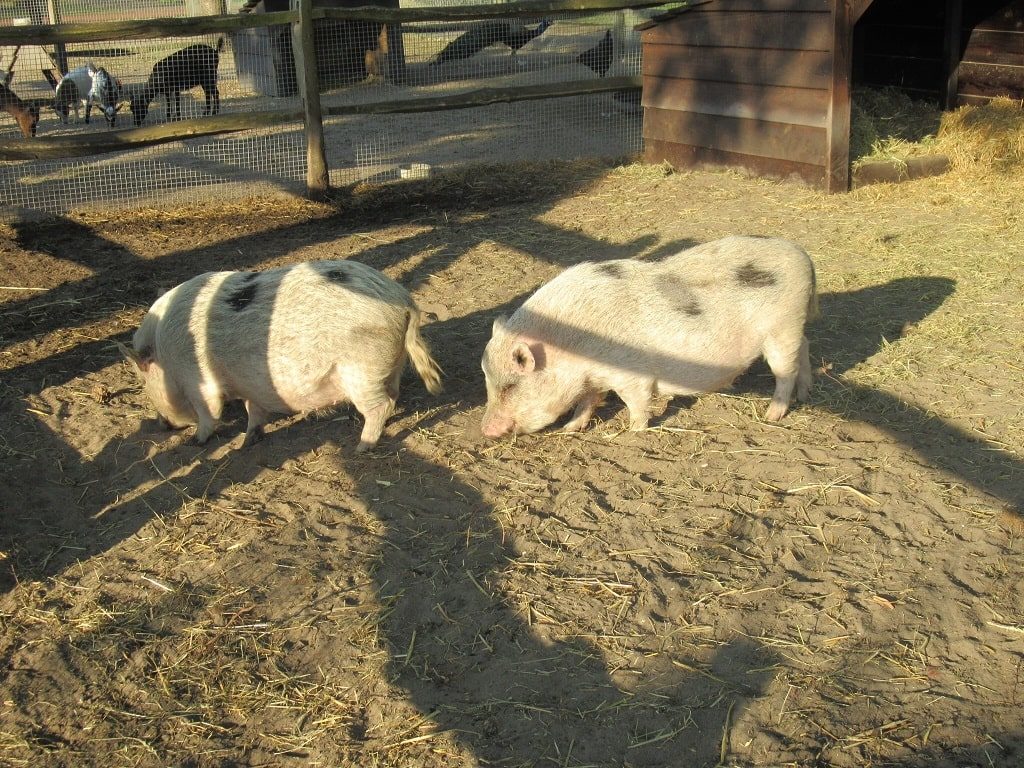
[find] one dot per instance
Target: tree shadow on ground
(519, 692)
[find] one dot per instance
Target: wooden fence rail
(60, 147)
(44, 34)
(302, 17)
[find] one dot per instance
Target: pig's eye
(507, 389)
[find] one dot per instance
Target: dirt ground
(843, 588)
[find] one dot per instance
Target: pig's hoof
(252, 437)
(776, 411)
(364, 446)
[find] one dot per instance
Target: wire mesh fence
(358, 62)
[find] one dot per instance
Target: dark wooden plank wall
(902, 44)
(743, 83)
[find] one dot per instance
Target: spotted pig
(287, 340)
(688, 323)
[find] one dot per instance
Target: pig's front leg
(584, 412)
(637, 397)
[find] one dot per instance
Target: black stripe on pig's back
(241, 296)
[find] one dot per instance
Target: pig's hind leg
(804, 378)
(376, 404)
(785, 358)
(376, 409)
(258, 416)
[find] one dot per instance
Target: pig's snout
(493, 427)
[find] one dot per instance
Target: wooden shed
(765, 84)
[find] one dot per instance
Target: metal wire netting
(358, 62)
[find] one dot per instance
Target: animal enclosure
(384, 93)
(842, 588)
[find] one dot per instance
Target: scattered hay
(887, 124)
(989, 135)
(696, 589)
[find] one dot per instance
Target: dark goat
(27, 116)
(484, 33)
(185, 69)
(599, 58)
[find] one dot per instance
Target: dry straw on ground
(843, 588)
(888, 124)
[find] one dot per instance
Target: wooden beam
(100, 143)
(689, 156)
(92, 32)
(60, 53)
(105, 142)
(837, 166)
(45, 34)
(951, 52)
(304, 50)
(524, 8)
(481, 97)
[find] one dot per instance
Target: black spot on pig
(338, 275)
(659, 256)
(242, 297)
(749, 276)
(688, 306)
(681, 297)
(248, 277)
(612, 269)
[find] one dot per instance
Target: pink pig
(687, 324)
(291, 339)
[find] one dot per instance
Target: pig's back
(709, 308)
(275, 337)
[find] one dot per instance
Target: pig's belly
(287, 388)
(692, 371)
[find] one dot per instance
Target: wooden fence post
(60, 53)
(317, 181)
(837, 124)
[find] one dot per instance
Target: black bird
(518, 35)
(481, 34)
(599, 58)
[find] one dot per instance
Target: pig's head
(163, 390)
(525, 391)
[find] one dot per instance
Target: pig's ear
(141, 363)
(499, 324)
(523, 359)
